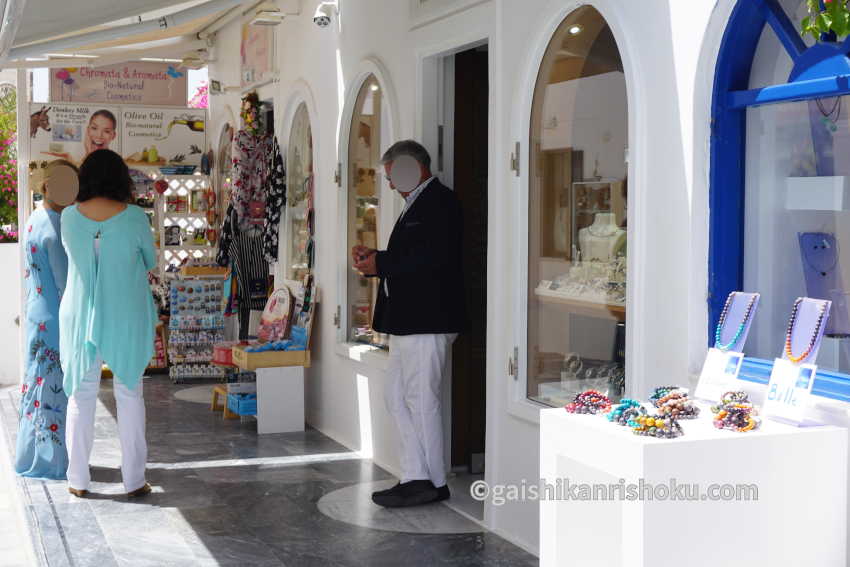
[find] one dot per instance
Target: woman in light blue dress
(40, 447)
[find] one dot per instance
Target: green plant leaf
(822, 23)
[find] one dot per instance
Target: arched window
(365, 176)
(578, 214)
(780, 180)
(299, 184)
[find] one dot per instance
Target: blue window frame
(822, 70)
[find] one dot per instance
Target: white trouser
(415, 373)
(79, 431)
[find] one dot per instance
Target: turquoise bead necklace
(722, 322)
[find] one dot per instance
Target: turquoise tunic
(107, 307)
(40, 446)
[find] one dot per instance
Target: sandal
(139, 492)
(78, 492)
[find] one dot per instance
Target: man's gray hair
(407, 148)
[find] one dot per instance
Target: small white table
(280, 399)
(799, 518)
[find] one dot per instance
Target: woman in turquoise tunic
(40, 444)
(107, 315)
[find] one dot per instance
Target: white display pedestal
(280, 399)
(800, 517)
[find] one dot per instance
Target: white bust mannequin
(598, 241)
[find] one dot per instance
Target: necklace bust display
(598, 241)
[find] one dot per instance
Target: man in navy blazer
(420, 305)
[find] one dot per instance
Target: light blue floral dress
(41, 448)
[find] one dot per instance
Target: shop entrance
(455, 129)
(469, 386)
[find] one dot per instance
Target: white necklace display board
(788, 396)
(723, 362)
(800, 474)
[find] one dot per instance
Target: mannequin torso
(598, 241)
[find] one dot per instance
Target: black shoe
(412, 493)
(443, 493)
(386, 491)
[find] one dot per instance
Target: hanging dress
(40, 450)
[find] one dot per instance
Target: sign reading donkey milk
(72, 131)
(163, 136)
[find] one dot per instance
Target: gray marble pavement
(224, 496)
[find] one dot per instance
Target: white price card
(719, 374)
(788, 391)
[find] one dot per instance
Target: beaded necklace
(792, 322)
(722, 322)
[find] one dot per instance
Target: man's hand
(360, 252)
(365, 260)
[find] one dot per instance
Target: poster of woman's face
(72, 132)
(101, 130)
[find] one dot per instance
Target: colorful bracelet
(662, 391)
(626, 412)
(664, 427)
(735, 412)
(589, 402)
(678, 405)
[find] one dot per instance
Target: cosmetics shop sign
(143, 83)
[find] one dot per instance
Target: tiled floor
(224, 496)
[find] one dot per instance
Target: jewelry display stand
(820, 257)
(599, 240)
(806, 333)
(739, 312)
(797, 518)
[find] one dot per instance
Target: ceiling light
(575, 30)
(374, 88)
(159, 60)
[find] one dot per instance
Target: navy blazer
(423, 268)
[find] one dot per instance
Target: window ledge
(526, 410)
(364, 354)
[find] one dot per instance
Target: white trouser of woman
(79, 431)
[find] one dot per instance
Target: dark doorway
(471, 142)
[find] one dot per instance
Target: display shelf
(182, 186)
(799, 473)
(821, 193)
(559, 299)
(196, 325)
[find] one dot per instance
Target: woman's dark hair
(104, 174)
(106, 114)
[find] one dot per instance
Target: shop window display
(797, 219)
(364, 189)
(299, 181)
(577, 215)
(779, 223)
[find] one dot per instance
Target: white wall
(667, 228)
(10, 309)
(10, 290)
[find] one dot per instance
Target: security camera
(324, 11)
